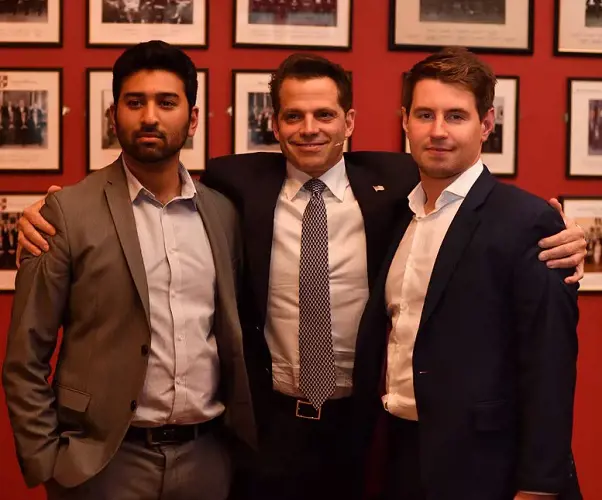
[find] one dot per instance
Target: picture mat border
(47, 171)
(123, 45)
(394, 46)
(297, 47)
(205, 116)
(556, 47)
(569, 111)
(562, 199)
(233, 116)
(501, 175)
(39, 195)
(36, 44)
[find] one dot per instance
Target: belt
(302, 408)
(170, 434)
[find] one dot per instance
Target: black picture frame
(237, 122)
(514, 135)
(275, 44)
(153, 34)
(394, 45)
(202, 96)
(58, 117)
(591, 284)
(40, 44)
(7, 275)
(575, 137)
(590, 52)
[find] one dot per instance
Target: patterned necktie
(317, 378)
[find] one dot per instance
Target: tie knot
(315, 186)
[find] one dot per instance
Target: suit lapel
(456, 240)
(120, 206)
(259, 228)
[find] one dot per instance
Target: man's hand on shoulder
(521, 495)
(29, 224)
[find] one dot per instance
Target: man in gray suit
(150, 388)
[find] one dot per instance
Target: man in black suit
(479, 335)
(305, 449)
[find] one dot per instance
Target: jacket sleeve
(41, 294)
(546, 315)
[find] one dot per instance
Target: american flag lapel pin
(378, 188)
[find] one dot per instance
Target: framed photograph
(584, 128)
(11, 208)
(31, 23)
(587, 212)
(120, 23)
(491, 26)
(500, 151)
(578, 30)
(30, 120)
(252, 113)
(103, 146)
(294, 24)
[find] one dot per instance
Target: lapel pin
(378, 188)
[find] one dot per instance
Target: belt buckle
(306, 403)
(168, 436)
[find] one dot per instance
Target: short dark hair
(308, 66)
(156, 55)
(454, 65)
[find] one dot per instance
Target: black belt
(302, 408)
(170, 434)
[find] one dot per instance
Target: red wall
(376, 78)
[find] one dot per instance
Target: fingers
(572, 233)
(554, 203)
(54, 188)
(30, 239)
(572, 248)
(31, 217)
(579, 273)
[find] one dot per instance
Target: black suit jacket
(495, 356)
(253, 182)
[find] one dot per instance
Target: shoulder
(84, 190)
(225, 165)
(384, 160)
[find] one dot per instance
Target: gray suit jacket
(92, 283)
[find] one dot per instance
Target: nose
(310, 125)
(149, 114)
(439, 129)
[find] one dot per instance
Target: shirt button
(133, 405)
(144, 350)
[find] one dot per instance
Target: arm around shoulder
(41, 293)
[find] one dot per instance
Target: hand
(521, 495)
(30, 239)
(567, 248)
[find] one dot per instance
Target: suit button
(133, 405)
(144, 350)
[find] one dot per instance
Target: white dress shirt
(183, 366)
(407, 283)
(347, 270)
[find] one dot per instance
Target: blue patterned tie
(317, 378)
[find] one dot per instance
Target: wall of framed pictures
(548, 136)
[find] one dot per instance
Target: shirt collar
(456, 190)
(335, 179)
(135, 187)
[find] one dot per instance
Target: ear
(194, 121)
(404, 119)
(487, 124)
(349, 123)
(275, 128)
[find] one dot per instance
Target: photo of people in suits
(594, 127)
(23, 118)
(148, 11)
(463, 11)
(8, 240)
(593, 13)
(494, 144)
(261, 136)
(23, 11)
(293, 12)
(593, 235)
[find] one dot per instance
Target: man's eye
(133, 103)
(168, 104)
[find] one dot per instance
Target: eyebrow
(296, 110)
(158, 94)
(453, 110)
